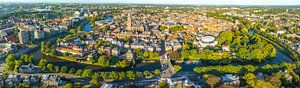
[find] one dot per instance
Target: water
(60, 62)
(280, 58)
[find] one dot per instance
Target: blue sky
(194, 2)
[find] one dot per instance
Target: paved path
(167, 67)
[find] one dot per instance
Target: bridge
(166, 66)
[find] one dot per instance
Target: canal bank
(38, 55)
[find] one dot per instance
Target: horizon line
(113, 3)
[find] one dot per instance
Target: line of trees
(146, 55)
(129, 75)
(13, 63)
(241, 69)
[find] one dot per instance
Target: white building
(39, 34)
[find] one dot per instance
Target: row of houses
(46, 80)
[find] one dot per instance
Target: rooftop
(208, 38)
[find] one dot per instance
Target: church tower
(129, 22)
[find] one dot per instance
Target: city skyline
(179, 2)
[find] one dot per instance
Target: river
(60, 62)
(280, 58)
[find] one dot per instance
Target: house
(115, 52)
(2, 34)
(31, 80)
(71, 51)
(25, 36)
(129, 55)
(286, 75)
(280, 32)
(52, 80)
(1, 80)
(230, 79)
(208, 41)
(13, 79)
(225, 48)
(183, 81)
(169, 48)
(107, 85)
(39, 34)
(261, 76)
(177, 46)
(27, 68)
(137, 28)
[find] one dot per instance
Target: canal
(280, 58)
(61, 62)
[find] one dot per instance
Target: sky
(192, 2)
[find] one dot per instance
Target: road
(26, 50)
(165, 62)
(167, 67)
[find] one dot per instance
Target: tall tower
(129, 22)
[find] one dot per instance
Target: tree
(87, 73)
(250, 79)
(53, 52)
(275, 81)
(104, 75)
(147, 73)
(177, 68)
(68, 85)
(157, 72)
(130, 75)
(43, 62)
(104, 29)
(73, 31)
(250, 68)
(122, 64)
(174, 55)
(146, 55)
(184, 54)
(185, 47)
(56, 69)
(212, 80)
(10, 66)
(243, 53)
(139, 53)
(263, 84)
(4, 75)
(10, 58)
(90, 59)
(65, 54)
(122, 75)
(162, 28)
(257, 54)
(44, 68)
(78, 72)
(77, 85)
(26, 58)
(163, 85)
(10, 62)
(50, 67)
(226, 37)
(64, 69)
(18, 64)
(79, 28)
(95, 78)
(72, 71)
(42, 46)
(103, 61)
